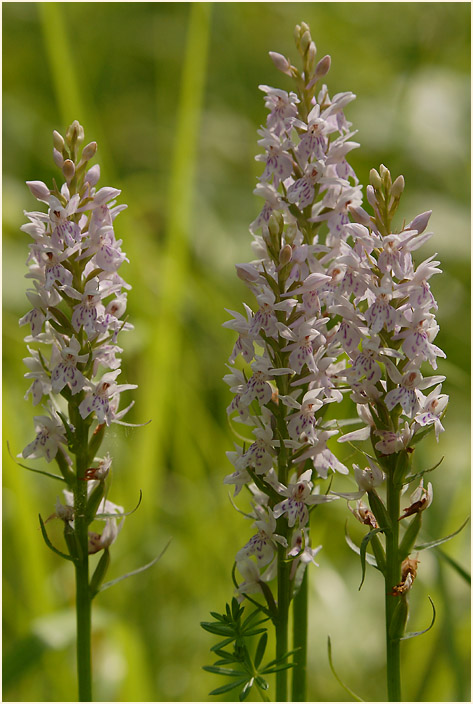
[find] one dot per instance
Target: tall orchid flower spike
(285, 363)
(79, 303)
(393, 327)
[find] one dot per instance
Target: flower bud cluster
(78, 304)
(288, 356)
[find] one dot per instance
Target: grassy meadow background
(170, 93)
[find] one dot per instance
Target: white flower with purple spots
(50, 435)
(66, 372)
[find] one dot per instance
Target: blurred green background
(170, 93)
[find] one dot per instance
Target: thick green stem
(392, 577)
(299, 631)
(83, 598)
(282, 643)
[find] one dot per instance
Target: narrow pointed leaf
(223, 671)
(420, 633)
(453, 563)
(246, 690)
(434, 543)
(261, 647)
(369, 558)
(262, 684)
(277, 668)
(219, 629)
(137, 571)
(49, 543)
(32, 469)
(347, 689)
(222, 644)
(363, 547)
(227, 687)
(413, 477)
(128, 513)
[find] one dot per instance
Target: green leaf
(434, 543)
(128, 513)
(419, 633)
(260, 649)
(261, 682)
(227, 687)
(277, 668)
(369, 558)
(99, 573)
(413, 477)
(363, 547)
(223, 671)
(246, 690)
(32, 469)
(410, 536)
(222, 643)
(137, 571)
(219, 629)
(453, 563)
(347, 689)
(49, 543)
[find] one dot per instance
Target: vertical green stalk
(299, 643)
(282, 626)
(83, 600)
(392, 577)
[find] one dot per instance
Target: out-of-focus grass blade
(21, 657)
(64, 74)
(61, 64)
(456, 566)
(165, 390)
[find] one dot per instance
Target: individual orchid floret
(299, 497)
(99, 399)
(50, 435)
(421, 499)
(263, 545)
(66, 372)
(432, 409)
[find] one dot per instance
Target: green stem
(282, 645)
(299, 634)
(392, 577)
(83, 599)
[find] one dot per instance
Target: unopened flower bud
(58, 158)
(93, 174)
(39, 190)
(281, 63)
(323, 67)
(247, 272)
(58, 141)
(371, 195)
(75, 133)
(420, 222)
(375, 179)
(398, 187)
(385, 176)
(89, 151)
(285, 255)
(305, 42)
(359, 215)
(69, 170)
(310, 57)
(275, 224)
